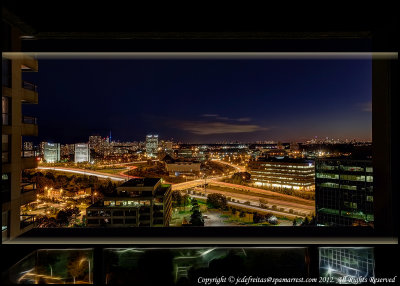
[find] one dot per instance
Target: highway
(238, 168)
(254, 208)
(260, 191)
(301, 206)
(121, 176)
(114, 177)
(254, 201)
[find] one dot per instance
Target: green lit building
(344, 192)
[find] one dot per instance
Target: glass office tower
(151, 145)
(344, 192)
(51, 152)
(82, 152)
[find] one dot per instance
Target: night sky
(202, 101)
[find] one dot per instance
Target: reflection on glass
(350, 265)
(184, 266)
(54, 266)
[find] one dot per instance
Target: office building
(185, 153)
(344, 192)
(287, 173)
(15, 92)
(276, 153)
(82, 153)
(51, 152)
(168, 148)
(138, 202)
(151, 145)
(180, 167)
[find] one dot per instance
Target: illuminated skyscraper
(82, 152)
(151, 145)
(52, 152)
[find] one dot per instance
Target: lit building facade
(151, 145)
(185, 153)
(51, 152)
(344, 192)
(41, 148)
(167, 147)
(288, 173)
(138, 202)
(82, 153)
(29, 149)
(15, 192)
(178, 168)
(67, 150)
(95, 141)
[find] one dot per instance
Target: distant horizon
(205, 143)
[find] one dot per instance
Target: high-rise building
(344, 192)
(166, 148)
(41, 148)
(151, 145)
(52, 152)
(82, 152)
(15, 92)
(288, 173)
(139, 202)
(67, 150)
(95, 141)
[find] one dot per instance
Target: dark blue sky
(203, 100)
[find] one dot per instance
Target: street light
(93, 195)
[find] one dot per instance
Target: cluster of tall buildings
(52, 152)
(328, 140)
(99, 144)
(101, 147)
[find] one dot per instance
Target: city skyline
(204, 101)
